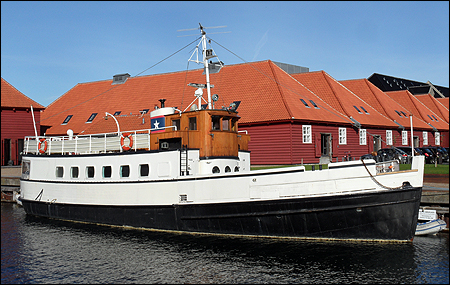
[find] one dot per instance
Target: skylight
(398, 113)
(364, 110)
(404, 114)
(91, 118)
(430, 117)
(67, 119)
(357, 109)
(145, 111)
(304, 102)
(117, 113)
(314, 104)
(434, 117)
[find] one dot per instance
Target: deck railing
(87, 144)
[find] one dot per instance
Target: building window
(404, 137)
(107, 171)
(342, 136)
(437, 138)
(193, 123)
(59, 171)
(144, 169)
(74, 172)
(124, 171)
(425, 138)
(90, 172)
(389, 137)
(67, 119)
(91, 118)
(307, 137)
(362, 137)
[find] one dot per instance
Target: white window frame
(307, 133)
(362, 137)
(388, 137)
(437, 138)
(404, 137)
(425, 138)
(342, 135)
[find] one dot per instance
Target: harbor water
(36, 251)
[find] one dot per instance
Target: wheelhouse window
(107, 171)
(144, 170)
(90, 171)
(91, 118)
(124, 171)
(225, 124)
(67, 119)
(59, 171)
(215, 123)
(176, 124)
(74, 172)
(193, 123)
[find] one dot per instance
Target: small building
(17, 122)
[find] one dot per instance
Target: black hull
(385, 215)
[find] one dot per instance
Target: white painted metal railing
(86, 144)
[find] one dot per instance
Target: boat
(429, 223)
(191, 173)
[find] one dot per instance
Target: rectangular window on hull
(59, 171)
(107, 171)
(74, 172)
(25, 169)
(124, 171)
(90, 171)
(144, 169)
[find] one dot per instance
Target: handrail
(88, 143)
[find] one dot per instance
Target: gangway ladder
(184, 161)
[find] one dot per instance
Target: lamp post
(117, 123)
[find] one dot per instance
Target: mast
(205, 63)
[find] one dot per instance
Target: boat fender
(122, 141)
(43, 150)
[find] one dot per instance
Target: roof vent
(120, 78)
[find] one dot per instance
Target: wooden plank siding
(16, 124)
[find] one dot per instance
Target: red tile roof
(434, 105)
(384, 104)
(444, 101)
(266, 92)
(417, 108)
(13, 98)
(342, 99)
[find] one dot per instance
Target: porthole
(215, 169)
(227, 169)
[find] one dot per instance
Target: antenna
(201, 28)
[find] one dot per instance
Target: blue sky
(49, 47)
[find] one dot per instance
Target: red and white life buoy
(43, 150)
(122, 141)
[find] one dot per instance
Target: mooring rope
(376, 181)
